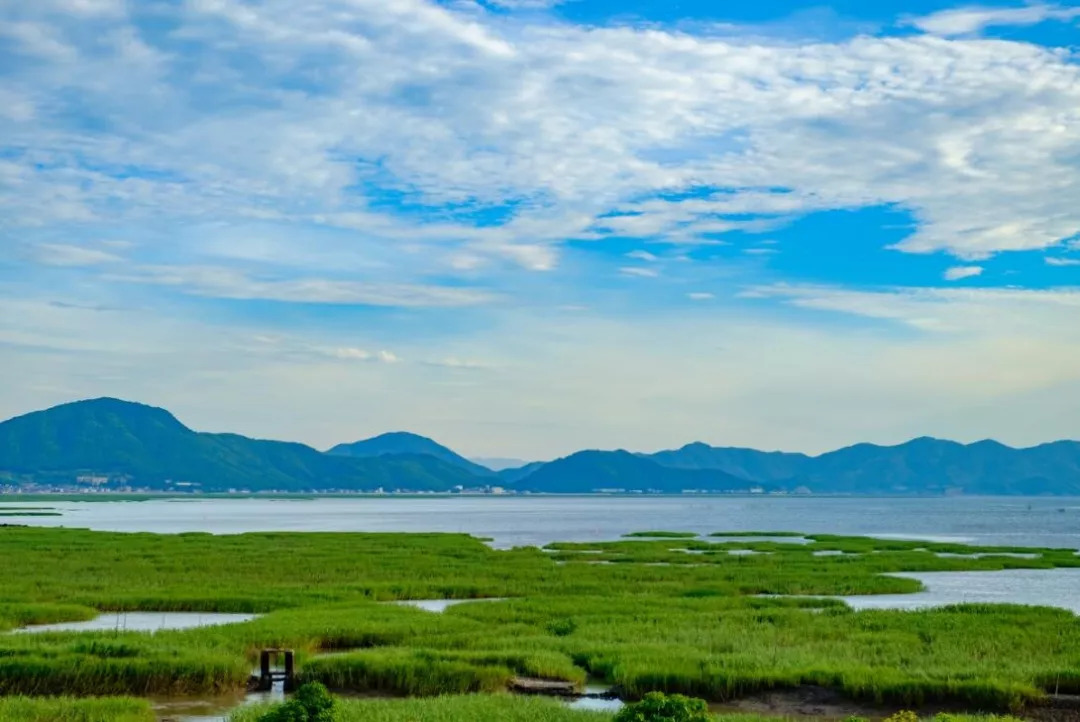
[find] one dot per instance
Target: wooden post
(266, 679)
(289, 671)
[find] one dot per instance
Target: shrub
(562, 627)
(312, 703)
(659, 707)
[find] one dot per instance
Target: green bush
(562, 627)
(659, 707)
(312, 703)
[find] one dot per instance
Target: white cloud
(524, 4)
(264, 164)
(639, 272)
(62, 254)
(643, 256)
(975, 19)
(957, 273)
(571, 381)
(1054, 261)
(939, 310)
(220, 282)
(975, 138)
(359, 354)
(454, 362)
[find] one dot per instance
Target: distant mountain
(148, 447)
(928, 465)
(922, 466)
(589, 471)
(397, 443)
(498, 463)
(113, 443)
(514, 474)
(764, 466)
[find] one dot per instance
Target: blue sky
(525, 227)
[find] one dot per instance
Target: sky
(527, 227)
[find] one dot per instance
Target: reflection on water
(596, 704)
(1043, 587)
(141, 622)
(213, 709)
(441, 605)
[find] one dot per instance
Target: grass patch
(661, 534)
(504, 708)
(654, 618)
(30, 513)
(66, 709)
(751, 534)
(466, 708)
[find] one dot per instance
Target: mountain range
(109, 443)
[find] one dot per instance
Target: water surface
(1045, 587)
(539, 520)
(140, 622)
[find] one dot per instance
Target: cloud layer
(524, 235)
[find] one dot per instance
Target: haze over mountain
(111, 443)
(396, 443)
(621, 470)
(499, 463)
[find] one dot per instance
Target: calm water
(1048, 587)
(141, 622)
(511, 521)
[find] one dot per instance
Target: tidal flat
(712, 624)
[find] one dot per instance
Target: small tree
(311, 703)
(659, 707)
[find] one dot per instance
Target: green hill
(588, 471)
(148, 447)
(399, 443)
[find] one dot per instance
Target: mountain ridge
(133, 444)
(394, 443)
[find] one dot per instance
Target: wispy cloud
(220, 282)
(958, 138)
(639, 272)
(60, 254)
(700, 296)
(454, 362)
(1055, 261)
(958, 273)
(359, 354)
(974, 19)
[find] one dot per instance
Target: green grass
(466, 708)
(758, 534)
(65, 709)
(29, 513)
(653, 618)
(661, 534)
(504, 708)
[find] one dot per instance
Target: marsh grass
(66, 709)
(29, 513)
(505, 708)
(463, 708)
(661, 535)
(695, 626)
